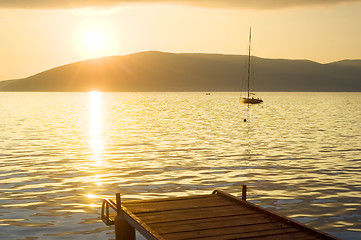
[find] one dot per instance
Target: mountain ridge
(163, 71)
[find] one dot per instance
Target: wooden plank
(223, 208)
(319, 237)
(255, 230)
(201, 210)
(149, 207)
(208, 225)
(201, 213)
(168, 200)
(286, 236)
(249, 235)
(207, 220)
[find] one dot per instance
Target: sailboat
(249, 99)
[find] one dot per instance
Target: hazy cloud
(249, 4)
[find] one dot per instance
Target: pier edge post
(123, 230)
(118, 202)
(244, 192)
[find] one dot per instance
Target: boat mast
(249, 62)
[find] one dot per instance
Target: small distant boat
(249, 98)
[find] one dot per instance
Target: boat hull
(251, 100)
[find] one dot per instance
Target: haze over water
(61, 153)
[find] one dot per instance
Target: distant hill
(160, 71)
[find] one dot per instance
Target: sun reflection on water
(95, 127)
(91, 196)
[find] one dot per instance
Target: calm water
(61, 153)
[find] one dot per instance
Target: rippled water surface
(61, 153)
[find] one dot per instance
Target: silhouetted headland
(170, 72)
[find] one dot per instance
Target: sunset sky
(37, 35)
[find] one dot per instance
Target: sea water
(62, 153)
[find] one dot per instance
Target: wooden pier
(216, 216)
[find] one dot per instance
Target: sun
(95, 41)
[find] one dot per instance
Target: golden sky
(37, 35)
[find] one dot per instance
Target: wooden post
(123, 230)
(107, 212)
(119, 203)
(244, 192)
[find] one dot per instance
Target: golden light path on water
(95, 127)
(95, 130)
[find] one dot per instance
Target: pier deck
(216, 216)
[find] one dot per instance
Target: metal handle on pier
(105, 216)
